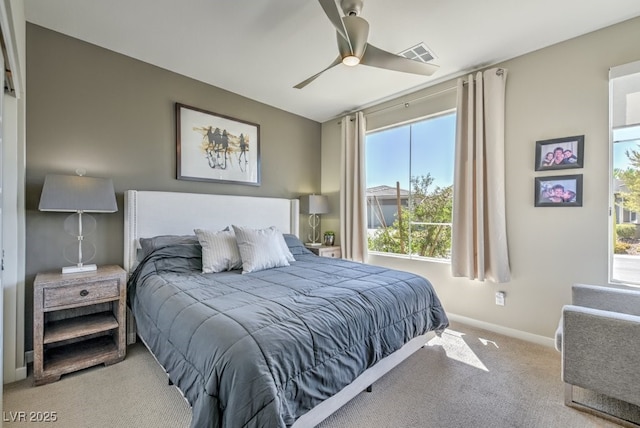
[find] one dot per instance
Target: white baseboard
(511, 332)
(21, 373)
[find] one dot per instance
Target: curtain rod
(407, 104)
(404, 104)
(499, 72)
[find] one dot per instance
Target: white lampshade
(314, 204)
(68, 193)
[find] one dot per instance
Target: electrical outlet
(500, 295)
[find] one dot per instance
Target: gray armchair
(599, 337)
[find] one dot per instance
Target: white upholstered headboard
(153, 213)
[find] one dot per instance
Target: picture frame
(548, 158)
(558, 191)
(216, 148)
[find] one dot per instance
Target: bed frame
(153, 213)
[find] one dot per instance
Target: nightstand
(326, 251)
(79, 321)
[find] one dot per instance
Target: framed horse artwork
(217, 148)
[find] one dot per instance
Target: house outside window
(382, 205)
(409, 169)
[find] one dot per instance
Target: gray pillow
(296, 247)
(149, 245)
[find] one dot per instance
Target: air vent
(419, 52)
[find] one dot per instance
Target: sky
(620, 159)
(429, 144)
(627, 138)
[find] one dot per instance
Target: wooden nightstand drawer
(82, 293)
(324, 251)
(330, 252)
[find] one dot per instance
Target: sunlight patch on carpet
(486, 342)
(457, 349)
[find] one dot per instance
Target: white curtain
(353, 204)
(479, 243)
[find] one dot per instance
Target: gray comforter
(261, 349)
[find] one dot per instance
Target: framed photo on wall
(558, 191)
(560, 153)
(217, 148)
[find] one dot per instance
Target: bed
(277, 347)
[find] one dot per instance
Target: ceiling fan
(352, 33)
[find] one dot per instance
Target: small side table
(326, 251)
(79, 321)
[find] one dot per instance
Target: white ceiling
(261, 48)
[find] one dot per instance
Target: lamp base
(313, 244)
(78, 269)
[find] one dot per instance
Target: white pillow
(285, 248)
(219, 250)
(261, 248)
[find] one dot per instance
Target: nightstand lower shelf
(71, 328)
(64, 359)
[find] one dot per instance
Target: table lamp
(314, 205)
(79, 195)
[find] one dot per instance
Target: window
(409, 172)
(624, 93)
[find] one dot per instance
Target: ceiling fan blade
(376, 57)
(358, 31)
(312, 78)
(331, 10)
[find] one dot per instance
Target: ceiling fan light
(351, 60)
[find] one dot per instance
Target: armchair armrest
(626, 301)
(600, 352)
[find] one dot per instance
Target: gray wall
(91, 108)
(558, 91)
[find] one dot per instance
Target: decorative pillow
(284, 247)
(261, 248)
(149, 245)
(219, 250)
(296, 247)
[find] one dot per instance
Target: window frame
(410, 122)
(614, 73)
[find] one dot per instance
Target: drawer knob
(84, 293)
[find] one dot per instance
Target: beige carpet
(467, 378)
